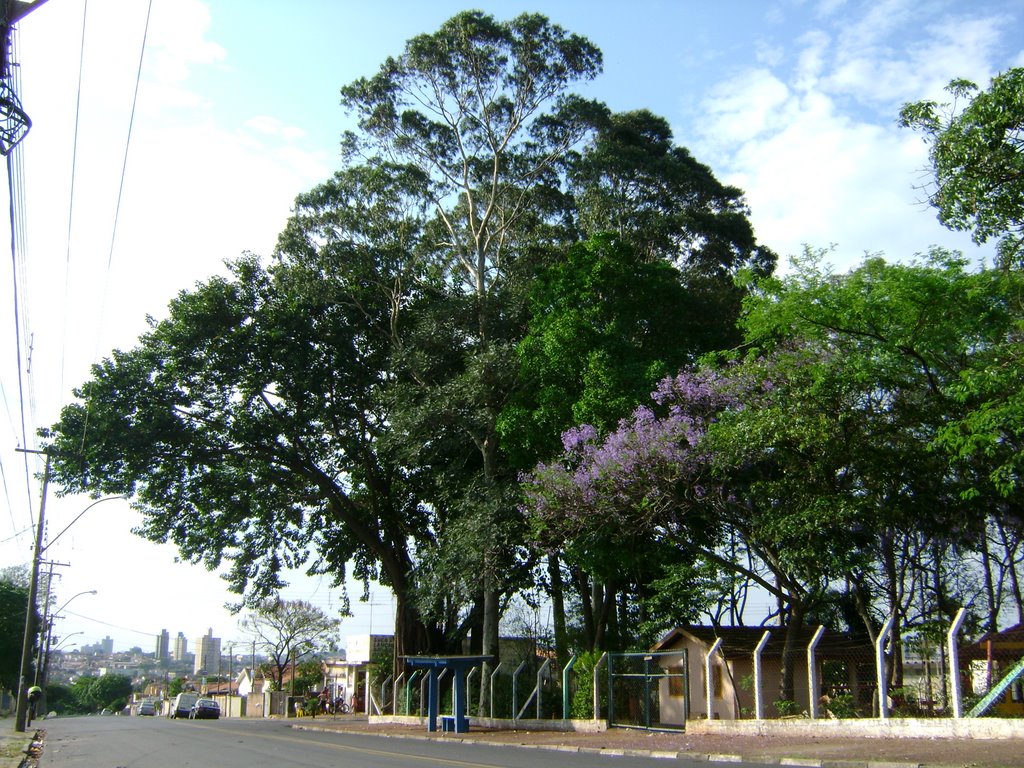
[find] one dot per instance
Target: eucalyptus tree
(481, 108)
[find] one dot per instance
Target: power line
(114, 626)
(120, 194)
(71, 198)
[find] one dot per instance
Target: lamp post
(43, 662)
(44, 643)
(21, 708)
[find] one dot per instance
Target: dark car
(205, 709)
(147, 708)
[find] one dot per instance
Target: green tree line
(396, 392)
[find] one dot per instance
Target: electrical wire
(71, 198)
(18, 231)
(117, 207)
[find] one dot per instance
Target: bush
(787, 708)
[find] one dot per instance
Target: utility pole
(21, 711)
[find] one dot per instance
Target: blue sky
(794, 101)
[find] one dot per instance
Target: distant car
(182, 705)
(106, 711)
(205, 709)
(147, 708)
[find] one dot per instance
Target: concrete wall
(566, 726)
(899, 728)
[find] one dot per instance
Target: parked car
(182, 706)
(205, 709)
(147, 708)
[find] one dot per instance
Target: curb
(702, 757)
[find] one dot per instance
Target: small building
(850, 670)
(987, 660)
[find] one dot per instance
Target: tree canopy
(977, 155)
(289, 630)
(353, 404)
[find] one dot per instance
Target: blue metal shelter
(459, 665)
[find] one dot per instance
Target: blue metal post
(459, 705)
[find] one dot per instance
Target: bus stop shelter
(435, 666)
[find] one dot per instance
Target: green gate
(648, 690)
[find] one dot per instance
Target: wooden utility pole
(27, 644)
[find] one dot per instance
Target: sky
(158, 151)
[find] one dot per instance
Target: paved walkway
(14, 746)
(821, 752)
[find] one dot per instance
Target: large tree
(288, 630)
(246, 427)
(977, 155)
(340, 407)
(481, 108)
(812, 451)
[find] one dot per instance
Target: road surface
(156, 742)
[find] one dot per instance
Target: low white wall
(504, 724)
(898, 728)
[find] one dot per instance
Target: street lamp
(43, 664)
(21, 709)
(44, 641)
(65, 639)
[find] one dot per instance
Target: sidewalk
(13, 745)
(820, 752)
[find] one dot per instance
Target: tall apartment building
(163, 644)
(207, 655)
(108, 645)
(180, 649)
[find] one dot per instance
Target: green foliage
(93, 694)
(581, 703)
(786, 708)
(842, 706)
(176, 686)
(13, 604)
(605, 326)
(978, 158)
(309, 676)
(61, 699)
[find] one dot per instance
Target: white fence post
(494, 674)
(597, 691)
(813, 690)
(758, 680)
(709, 687)
(952, 642)
(883, 678)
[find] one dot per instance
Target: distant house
(732, 670)
(988, 660)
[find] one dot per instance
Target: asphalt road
(155, 742)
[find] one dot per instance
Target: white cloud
(816, 166)
(274, 127)
(744, 107)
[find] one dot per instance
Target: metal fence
(648, 690)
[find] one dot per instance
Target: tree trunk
(1011, 547)
(582, 583)
(791, 650)
(991, 625)
(489, 644)
(558, 608)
